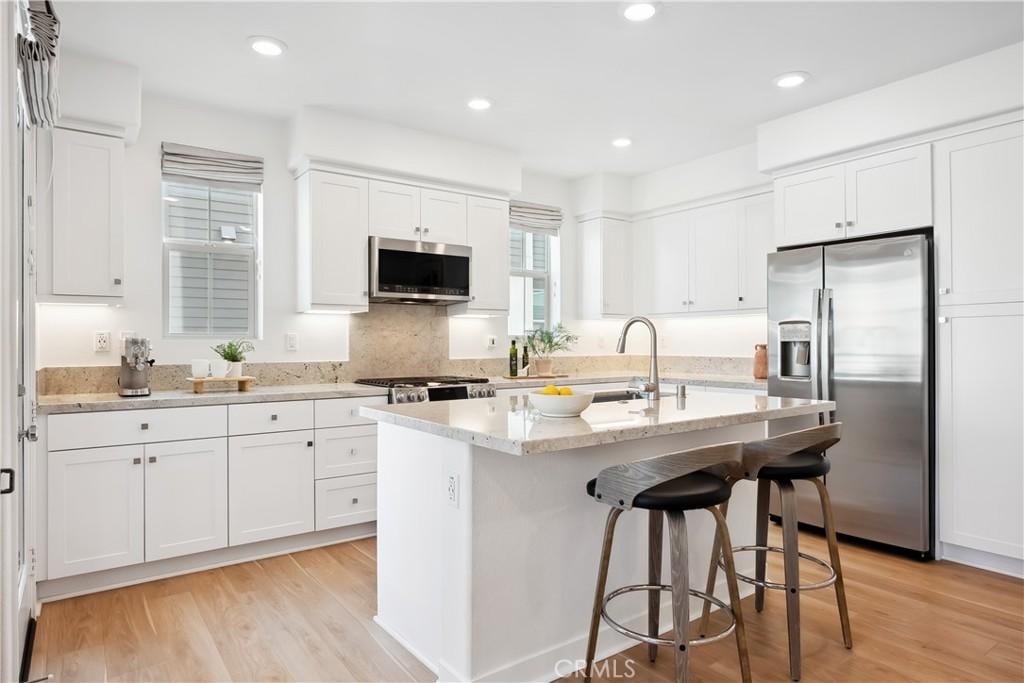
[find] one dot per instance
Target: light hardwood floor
(308, 617)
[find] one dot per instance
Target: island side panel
(536, 538)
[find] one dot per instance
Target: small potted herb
(233, 355)
(544, 343)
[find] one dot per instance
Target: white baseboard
(1011, 566)
(82, 584)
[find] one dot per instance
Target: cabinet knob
(365, 292)
(144, 426)
(355, 501)
(426, 230)
(117, 280)
(944, 290)
(152, 458)
(472, 298)
(849, 224)
(136, 461)
(273, 418)
(416, 229)
(943, 320)
(354, 451)
(740, 298)
(354, 412)
(309, 444)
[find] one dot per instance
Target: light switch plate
(491, 341)
(291, 341)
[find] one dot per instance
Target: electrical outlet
(453, 490)
(491, 342)
(291, 342)
(101, 341)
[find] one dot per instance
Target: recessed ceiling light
(792, 79)
(640, 11)
(266, 46)
(621, 142)
(479, 104)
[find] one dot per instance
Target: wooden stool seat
(691, 492)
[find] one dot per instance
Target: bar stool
(669, 484)
(784, 459)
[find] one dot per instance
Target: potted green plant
(543, 343)
(233, 355)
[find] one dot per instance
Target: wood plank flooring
(308, 617)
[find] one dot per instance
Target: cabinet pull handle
(152, 458)
(136, 461)
(839, 225)
(117, 280)
(8, 472)
(309, 444)
(353, 451)
(144, 426)
(354, 412)
(355, 501)
(273, 417)
(943, 320)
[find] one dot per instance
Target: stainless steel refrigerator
(851, 322)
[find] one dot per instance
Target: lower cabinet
(95, 509)
(342, 451)
(341, 501)
(186, 509)
(270, 486)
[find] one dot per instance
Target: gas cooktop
(439, 388)
(436, 381)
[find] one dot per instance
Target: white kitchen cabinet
(877, 194)
(669, 262)
(270, 486)
(979, 238)
(341, 451)
(755, 243)
(714, 258)
(394, 210)
(341, 501)
(186, 497)
(86, 238)
(333, 231)
(488, 237)
(606, 288)
(442, 217)
(889, 192)
(94, 509)
(980, 403)
(811, 206)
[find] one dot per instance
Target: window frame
(545, 275)
(255, 252)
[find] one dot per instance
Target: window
(530, 280)
(211, 258)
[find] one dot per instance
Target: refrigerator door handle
(827, 344)
(815, 344)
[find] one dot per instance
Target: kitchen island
(488, 543)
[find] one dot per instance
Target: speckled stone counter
(688, 378)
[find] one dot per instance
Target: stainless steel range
(440, 388)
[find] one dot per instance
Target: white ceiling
(565, 78)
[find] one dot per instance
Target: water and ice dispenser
(795, 349)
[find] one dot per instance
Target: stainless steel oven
(413, 272)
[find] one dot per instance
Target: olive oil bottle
(513, 360)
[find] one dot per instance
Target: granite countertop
(508, 424)
(84, 403)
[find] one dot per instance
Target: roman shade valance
(535, 217)
(185, 161)
(37, 61)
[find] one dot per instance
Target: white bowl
(561, 406)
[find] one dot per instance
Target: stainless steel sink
(613, 395)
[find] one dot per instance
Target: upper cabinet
(82, 243)
(606, 268)
(333, 240)
(754, 221)
(874, 195)
(714, 258)
(979, 238)
(411, 213)
(488, 237)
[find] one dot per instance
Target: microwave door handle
(816, 344)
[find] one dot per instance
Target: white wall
(66, 331)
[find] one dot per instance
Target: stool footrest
(650, 640)
(824, 583)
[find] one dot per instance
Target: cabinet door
(979, 194)
(94, 509)
(714, 258)
(979, 427)
(810, 207)
(755, 237)
(889, 192)
(87, 241)
(186, 497)
(333, 246)
(342, 451)
(643, 272)
(488, 237)
(443, 217)
(394, 210)
(270, 486)
(616, 267)
(670, 263)
(341, 501)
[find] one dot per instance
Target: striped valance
(535, 217)
(37, 62)
(184, 161)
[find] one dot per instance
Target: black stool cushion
(691, 492)
(802, 465)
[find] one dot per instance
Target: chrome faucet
(651, 388)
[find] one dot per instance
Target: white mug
(200, 368)
(219, 367)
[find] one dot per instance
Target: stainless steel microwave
(413, 272)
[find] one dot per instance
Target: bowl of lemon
(553, 401)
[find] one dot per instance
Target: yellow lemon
(550, 390)
(565, 391)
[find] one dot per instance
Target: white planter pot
(235, 370)
(543, 366)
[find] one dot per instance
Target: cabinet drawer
(341, 501)
(262, 418)
(345, 450)
(89, 430)
(342, 412)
